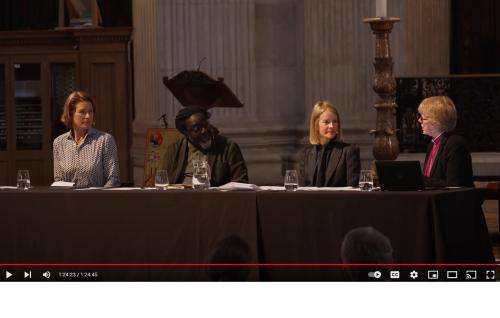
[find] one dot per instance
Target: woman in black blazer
(328, 161)
(448, 160)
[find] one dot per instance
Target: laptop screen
(399, 175)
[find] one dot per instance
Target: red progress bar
(246, 265)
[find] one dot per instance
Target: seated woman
(84, 155)
(448, 160)
(328, 161)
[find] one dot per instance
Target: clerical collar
(437, 140)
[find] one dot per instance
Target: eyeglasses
(422, 118)
(82, 114)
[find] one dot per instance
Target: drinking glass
(291, 180)
(161, 179)
(201, 164)
(23, 179)
(201, 175)
(366, 180)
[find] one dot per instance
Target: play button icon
(7, 274)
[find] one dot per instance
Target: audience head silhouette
(230, 250)
(365, 245)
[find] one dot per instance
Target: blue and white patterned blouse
(92, 163)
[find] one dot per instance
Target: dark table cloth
(145, 227)
(424, 227)
(182, 227)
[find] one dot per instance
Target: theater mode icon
(451, 274)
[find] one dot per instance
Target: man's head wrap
(185, 113)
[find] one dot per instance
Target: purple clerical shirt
(430, 160)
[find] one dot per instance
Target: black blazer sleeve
(305, 179)
(353, 163)
(458, 164)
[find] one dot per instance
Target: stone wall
(279, 57)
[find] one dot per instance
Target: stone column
(242, 40)
(147, 79)
(338, 65)
(219, 31)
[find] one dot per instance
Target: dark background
(475, 37)
(43, 14)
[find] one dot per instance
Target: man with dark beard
(201, 141)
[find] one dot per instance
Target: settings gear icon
(414, 274)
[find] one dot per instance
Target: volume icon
(46, 274)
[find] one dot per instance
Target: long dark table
(182, 226)
(425, 227)
(124, 227)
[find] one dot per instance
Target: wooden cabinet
(38, 70)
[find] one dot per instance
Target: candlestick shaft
(381, 8)
(386, 146)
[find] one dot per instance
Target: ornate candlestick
(386, 146)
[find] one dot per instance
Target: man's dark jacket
(224, 158)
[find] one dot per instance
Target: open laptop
(399, 175)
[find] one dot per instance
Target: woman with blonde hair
(448, 160)
(328, 161)
(84, 155)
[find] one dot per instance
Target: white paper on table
(238, 186)
(62, 184)
(123, 189)
(8, 187)
(329, 189)
(272, 188)
(91, 188)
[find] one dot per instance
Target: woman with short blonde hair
(448, 161)
(318, 109)
(441, 110)
(328, 161)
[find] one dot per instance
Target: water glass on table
(201, 181)
(161, 179)
(201, 175)
(291, 180)
(23, 179)
(365, 180)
